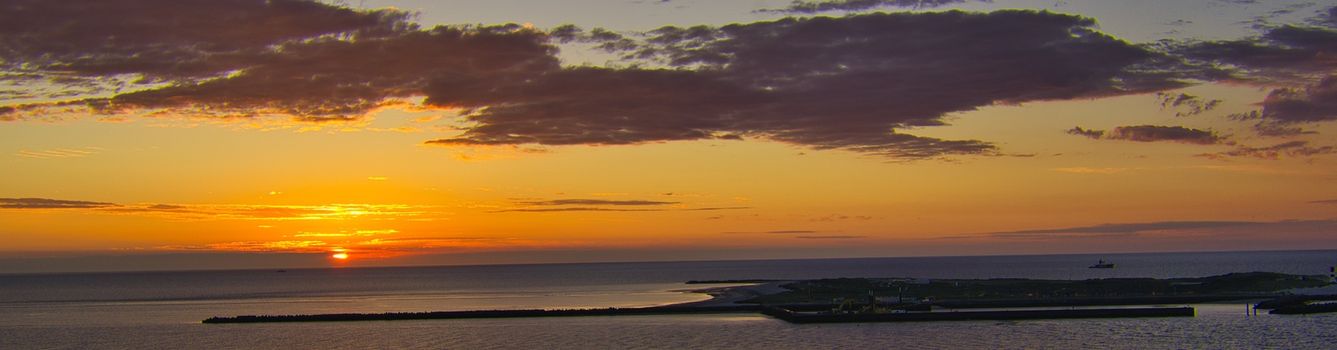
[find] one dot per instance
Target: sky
(170, 134)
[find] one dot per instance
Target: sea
(163, 310)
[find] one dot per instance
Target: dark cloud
(853, 83)
(830, 237)
(334, 79)
(1315, 103)
(1281, 53)
(1327, 201)
(312, 61)
(1294, 149)
(1188, 105)
(1152, 133)
(596, 202)
(1089, 133)
(802, 6)
(45, 203)
(79, 43)
(1269, 128)
(593, 106)
(1284, 108)
(846, 83)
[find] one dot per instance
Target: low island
(910, 299)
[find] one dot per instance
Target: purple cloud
(1152, 133)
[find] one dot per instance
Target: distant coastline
(801, 301)
(169, 263)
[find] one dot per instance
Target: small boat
(1102, 265)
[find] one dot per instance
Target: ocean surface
(163, 310)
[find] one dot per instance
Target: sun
(340, 256)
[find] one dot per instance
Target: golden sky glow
(414, 180)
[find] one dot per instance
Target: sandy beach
(730, 295)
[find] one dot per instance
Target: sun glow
(340, 256)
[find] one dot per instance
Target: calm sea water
(163, 309)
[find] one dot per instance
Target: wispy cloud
(557, 202)
(260, 246)
(233, 211)
(596, 209)
(1089, 170)
(840, 217)
(575, 209)
(714, 208)
(378, 247)
(59, 153)
(772, 232)
(340, 234)
(343, 211)
(809, 6)
(796, 234)
(307, 212)
(1185, 104)
(1292, 149)
(46, 203)
(1134, 229)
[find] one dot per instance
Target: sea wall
(801, 317)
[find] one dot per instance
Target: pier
(1047, 314)
(782, 313)
(478, 314)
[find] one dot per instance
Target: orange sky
(666, 163)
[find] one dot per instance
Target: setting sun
(340, 256)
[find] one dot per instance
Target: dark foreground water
(163, 309)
